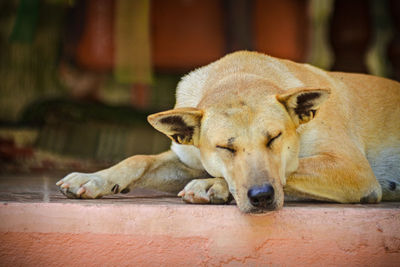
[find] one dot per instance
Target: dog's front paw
(203, 191)
(86, 185)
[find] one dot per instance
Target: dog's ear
(303, 103)
(182, 125)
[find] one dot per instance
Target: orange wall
(188, 34)
(281, 28)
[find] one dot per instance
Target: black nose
(261, 196)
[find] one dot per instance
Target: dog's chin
(248, 208)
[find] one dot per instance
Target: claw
(115, 189)
(125, 191)
(59, 183)
(64, 185)
(181, 193)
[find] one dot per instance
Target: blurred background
(79, 77)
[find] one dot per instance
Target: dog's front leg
(334, 178)
(163, 172)
(206, 191)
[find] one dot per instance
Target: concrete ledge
(40, 227)
(171, 234)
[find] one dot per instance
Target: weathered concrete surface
(40, 227)
(144, 234)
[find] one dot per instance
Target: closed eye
(227, 148)
(270, 141)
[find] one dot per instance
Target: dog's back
(375, 120)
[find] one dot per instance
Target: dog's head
(247, 137)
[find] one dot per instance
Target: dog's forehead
(230, 115)
(244, 111)
(240, 121)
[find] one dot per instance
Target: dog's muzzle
(261, 197)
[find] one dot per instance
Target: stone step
(143, 229)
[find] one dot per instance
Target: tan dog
(262, 127)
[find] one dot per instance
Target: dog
(261, 130)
